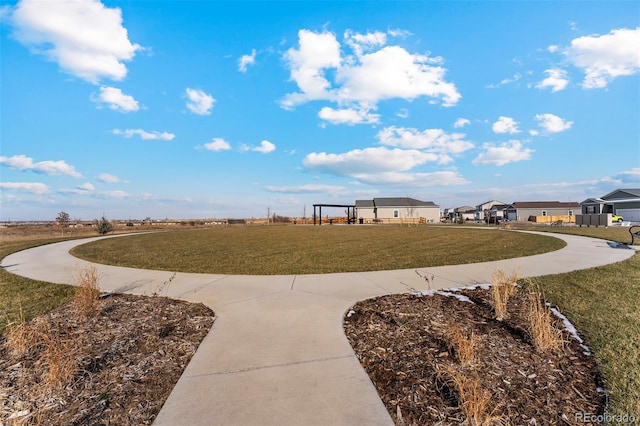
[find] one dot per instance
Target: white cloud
(605, 57)
(552, 123)
(505, 153)
(553, 48)
(632, 176)
(423, 180)
(373, 73)
(246, 60)
(199, 102)
(217, 144)
(87, 187)
(307, 189)
(433, 140)
(461, 122)
(154, 135)
(359, 162)
(556, 79)
(505, 125)
(265, 147)
(33, 188)
(83, 37)
(107, 178)
(348, 116)
(22, 162)
(116, 100)
(516, 77)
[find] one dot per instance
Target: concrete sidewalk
(277, 354)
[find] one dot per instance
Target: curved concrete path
(277, 354)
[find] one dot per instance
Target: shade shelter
(351, 211)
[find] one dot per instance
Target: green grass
(618, 234)
(269, 250)
(604, 305)
(22, 298)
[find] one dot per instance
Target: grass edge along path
(22, 299)
(603, 304)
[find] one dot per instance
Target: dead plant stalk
(502, 287)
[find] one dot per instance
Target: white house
(397, 210)
(482, 210)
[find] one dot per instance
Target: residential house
(622, 202)
(496, 213)
(523, 210)
(397, 210)
(482, 210)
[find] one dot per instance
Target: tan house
(397, 210)
(524, 210)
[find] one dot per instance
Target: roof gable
(622, 193)
(402, 202)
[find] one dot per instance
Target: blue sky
(200, 109)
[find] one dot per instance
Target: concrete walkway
(277, 353)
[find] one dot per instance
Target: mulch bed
(120, 364)
(402, 343)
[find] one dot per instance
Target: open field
(269, 250)
(602, 303)
(615, 233)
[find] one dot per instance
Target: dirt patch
(405, 344)
(115, 367)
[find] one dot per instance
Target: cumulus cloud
(432, 140)
(606, 57)
(360, 162)
(246, 60)
(358, 81)
(265, 147)
(422, 180)
(347, 116)
(84, 37)
(505, 125)
(552, 123)
(217, 144)
(630, 176)
(199, 102)
(22, 162)
(461, 122)
(107, 178)
(116, 100)
(33, 188)
(153, 135)
(87, 187)
(502, 154)
(556, 80)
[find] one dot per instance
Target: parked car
(616, 218)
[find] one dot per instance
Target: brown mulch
(115, 367)
(403, 344)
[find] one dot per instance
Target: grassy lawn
(615, 233)
(604, 305)
(269, 250)
(602, 302)
(22, 298)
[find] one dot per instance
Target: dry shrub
(473, 399)
(86, 297)
(543, 334)
(59, 358)
(461, 343)
(502, 287)
(55, 351)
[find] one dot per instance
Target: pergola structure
(351, 211)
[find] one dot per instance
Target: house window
(396, 213)
(570, 212)
(591, 209)
(544, 212)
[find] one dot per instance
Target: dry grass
(502, 287)
(473, 399)
(461, 343)
(86, 298)
(543, 334)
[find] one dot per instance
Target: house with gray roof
(397, 210)
(622, 202)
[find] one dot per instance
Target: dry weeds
(543, 334)
(86, 298)
(461, 343)
(502, 287)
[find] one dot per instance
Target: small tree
(104, 226)
(63, 220)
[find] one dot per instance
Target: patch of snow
(570, 328)
(447, 293)
(351, 312)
